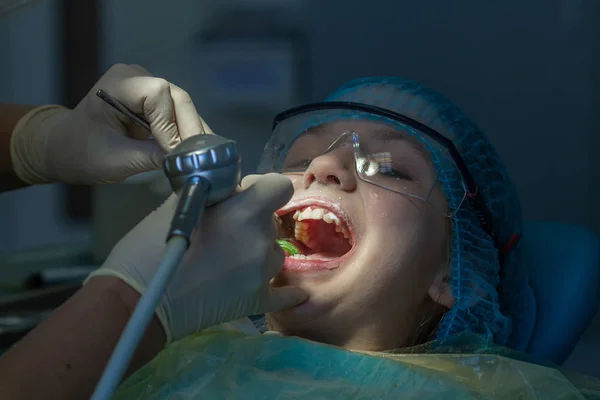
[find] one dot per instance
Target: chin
(311, 321)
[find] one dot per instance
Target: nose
(334, 168)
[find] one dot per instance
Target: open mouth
(320, 232)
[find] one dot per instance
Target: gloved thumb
(249, 180)
(263, 193)
(144, 155)
(283, 298)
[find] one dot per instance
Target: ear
(440, 290)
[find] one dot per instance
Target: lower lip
(295, 265)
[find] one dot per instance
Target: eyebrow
(398, 136)
(387, 134)
(315, 130)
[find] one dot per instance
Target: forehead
(401, 100)
(351, 125)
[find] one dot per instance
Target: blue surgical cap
(491, 299)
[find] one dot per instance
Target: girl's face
(374, 259)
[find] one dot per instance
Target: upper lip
(320, 202)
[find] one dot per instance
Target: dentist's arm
(10, 114)
(64, 357)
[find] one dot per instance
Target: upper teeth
(320, 213)
(316, 213)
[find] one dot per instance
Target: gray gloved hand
(225, 274)
(94, 143)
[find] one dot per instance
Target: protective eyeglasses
(396, 153)
(383, 158)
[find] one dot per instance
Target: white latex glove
(225, 274)
(94, 143)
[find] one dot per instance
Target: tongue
(325, 240)
(299, 245)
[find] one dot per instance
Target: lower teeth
(305, 257)
(311, 257)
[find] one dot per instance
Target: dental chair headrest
(564, 265)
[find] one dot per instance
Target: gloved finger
(274, 261)
(188, 126)
(122, 71)
(134, 131)
(128, 150)
(205, 127)
(110, 82)
(141, 70)
(143, 155)
(267, 194)
(187, 118)
(249, 180)
(283, 298)
(152, 98)
(246, 182)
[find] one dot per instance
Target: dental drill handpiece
(203, 170)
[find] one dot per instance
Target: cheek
(407, 237)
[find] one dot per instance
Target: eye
(394, 173)
(371, 167)
(388, 170)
